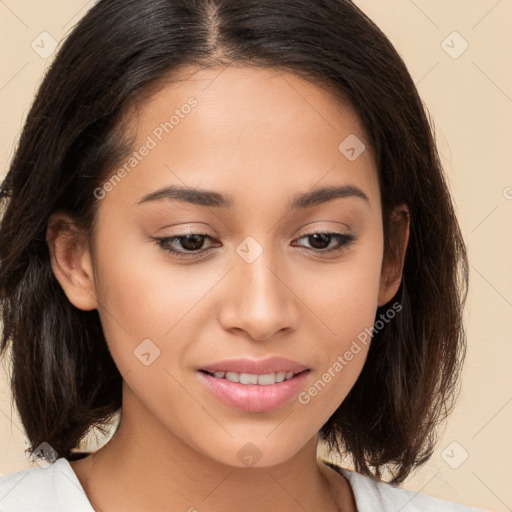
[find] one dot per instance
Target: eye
(320, 242)
(191, 243)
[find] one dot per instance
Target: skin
(261, 137)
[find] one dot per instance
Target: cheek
(345, 296)
(145, 297)
(346, 303)
(135, 287)
(133, 304)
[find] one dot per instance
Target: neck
(145, 467)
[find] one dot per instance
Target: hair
(64, 380)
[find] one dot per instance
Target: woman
(228, 222)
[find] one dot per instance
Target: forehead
(242, 127)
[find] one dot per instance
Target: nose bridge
(260, 303)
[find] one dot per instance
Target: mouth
(254, 386)
(266, 379)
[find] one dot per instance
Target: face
(261, 279)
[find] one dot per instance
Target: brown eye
(320, 242)
(191, 242)
(190, 245)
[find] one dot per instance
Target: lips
(254, 398)
(256, 367)
(254, 386)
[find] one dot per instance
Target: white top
(56, 488)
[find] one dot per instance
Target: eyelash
(343, 238)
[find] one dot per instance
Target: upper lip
(256, 367)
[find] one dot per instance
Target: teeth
(280, 376)
(250, 378)
(264, 380)
(232, 377)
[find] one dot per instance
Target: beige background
(470, 99)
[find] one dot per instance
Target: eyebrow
(210, 198)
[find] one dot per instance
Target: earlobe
(71, 261)
(394, 254)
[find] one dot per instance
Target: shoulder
(372, 494)
(43, 489)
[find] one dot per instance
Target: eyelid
(324, 229)
(184, 255)
(346, 240)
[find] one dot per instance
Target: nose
(259, 300)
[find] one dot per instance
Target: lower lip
(253, 397)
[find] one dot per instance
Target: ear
(71, 261)
(394, 254)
